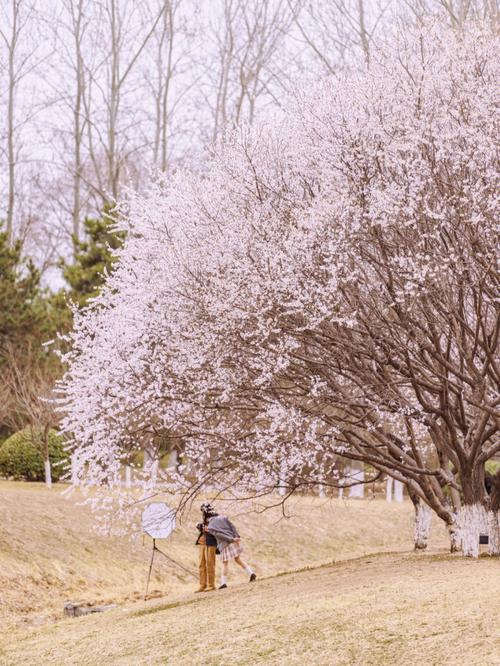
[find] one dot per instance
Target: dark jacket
(209, 539)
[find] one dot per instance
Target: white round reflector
(158, 520)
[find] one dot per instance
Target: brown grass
(49, 554)
(381, 609)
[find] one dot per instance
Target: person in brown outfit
(208, 550)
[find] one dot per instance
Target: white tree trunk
(128, 476)
(154, 471)
(398, 491)
(74, 473)
(455, 538)
(173, 460)
(321, 490)
(48, 473)
(357, 491)
(473, 521)
(341, 493)
(389, 482)
(280, 481)
(422, 525)
(150, 467)
(494, 532)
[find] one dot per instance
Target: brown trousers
(207, 566)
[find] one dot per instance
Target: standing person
(208, 550)
(229, 544)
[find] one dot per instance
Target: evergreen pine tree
(21, 309)
(93, 257)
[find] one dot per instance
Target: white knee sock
(248, 569)
(223, 580)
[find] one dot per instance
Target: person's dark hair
(208, 510)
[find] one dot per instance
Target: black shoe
(223, 586)
(253, 577)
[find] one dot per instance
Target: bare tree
(28, 387)
(457, 12)
(246, 38)
(336, 31)
(160, 77)
(127, 36)
(77, 25)
(16, 19)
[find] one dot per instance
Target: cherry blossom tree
(329, 287)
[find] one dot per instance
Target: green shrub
(492, 466)
(21, 458)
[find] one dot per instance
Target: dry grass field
(354, 592)
(383, 609)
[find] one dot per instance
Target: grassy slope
(48, 553)
(381, 609)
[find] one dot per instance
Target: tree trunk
(11, 123)
(128, 476)
(45, 453)
(280, 481)
(388, 488)
(473, 521)
(494, 532)
(48, 472)
(173, 460)
(150, 466)
(398, 491)
(74, 473)
(422, 525)
(455, 537)
(359, 490)
(154, 470)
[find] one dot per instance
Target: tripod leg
(150, 568)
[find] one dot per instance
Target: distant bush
(492, 466)
(21, 459)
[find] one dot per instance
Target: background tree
(124, 88)
(248, 40)
(93, 257)
(20, 311)
(17, 18)
(31, 385)
(29, 318)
